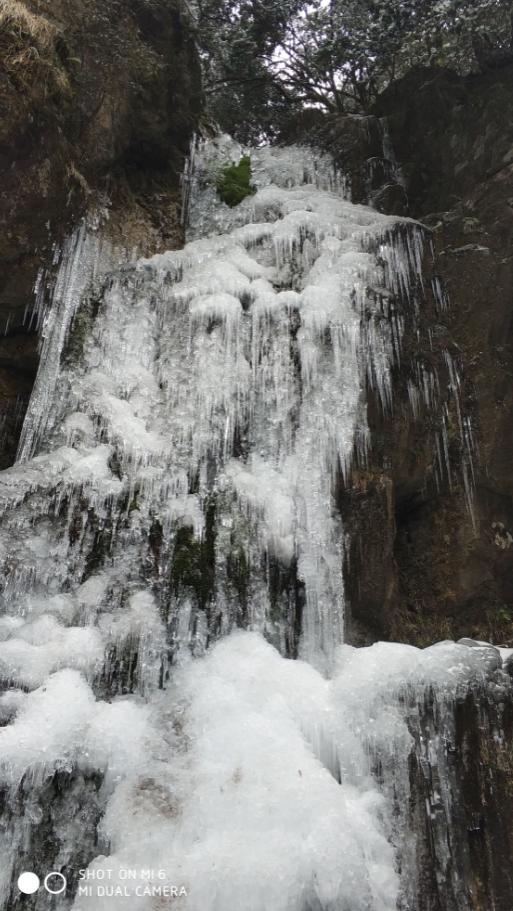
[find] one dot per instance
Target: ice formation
(192, 420)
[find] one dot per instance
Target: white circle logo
(59, 886)
(28, 883)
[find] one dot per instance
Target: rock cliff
(431, 511)
(98, 101)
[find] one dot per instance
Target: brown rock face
(459, 166)
(461, 769)
(423, 567)
(98, 101)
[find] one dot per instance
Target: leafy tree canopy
(266, 60)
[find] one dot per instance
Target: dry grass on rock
(27, 49)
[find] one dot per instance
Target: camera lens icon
(28, 883)
(55, 883)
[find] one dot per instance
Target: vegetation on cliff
(234, 182)
(265, 60)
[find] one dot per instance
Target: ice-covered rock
(193, 416)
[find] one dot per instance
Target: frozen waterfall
(170, 540)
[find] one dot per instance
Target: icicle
(81, 264)
(187, 179)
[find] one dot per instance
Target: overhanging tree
(265, 60)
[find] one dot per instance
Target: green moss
(503, 615)
(82, 327)
(193, 564)
(186, 566)
(78, 335)
(234, 182)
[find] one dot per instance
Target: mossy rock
(193, 563)
(234, 182)
(78, 335)
(186, 569)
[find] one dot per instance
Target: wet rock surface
(467, 144)
(64, 814)
(425, 561)
(426, 566)
(462, 800)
